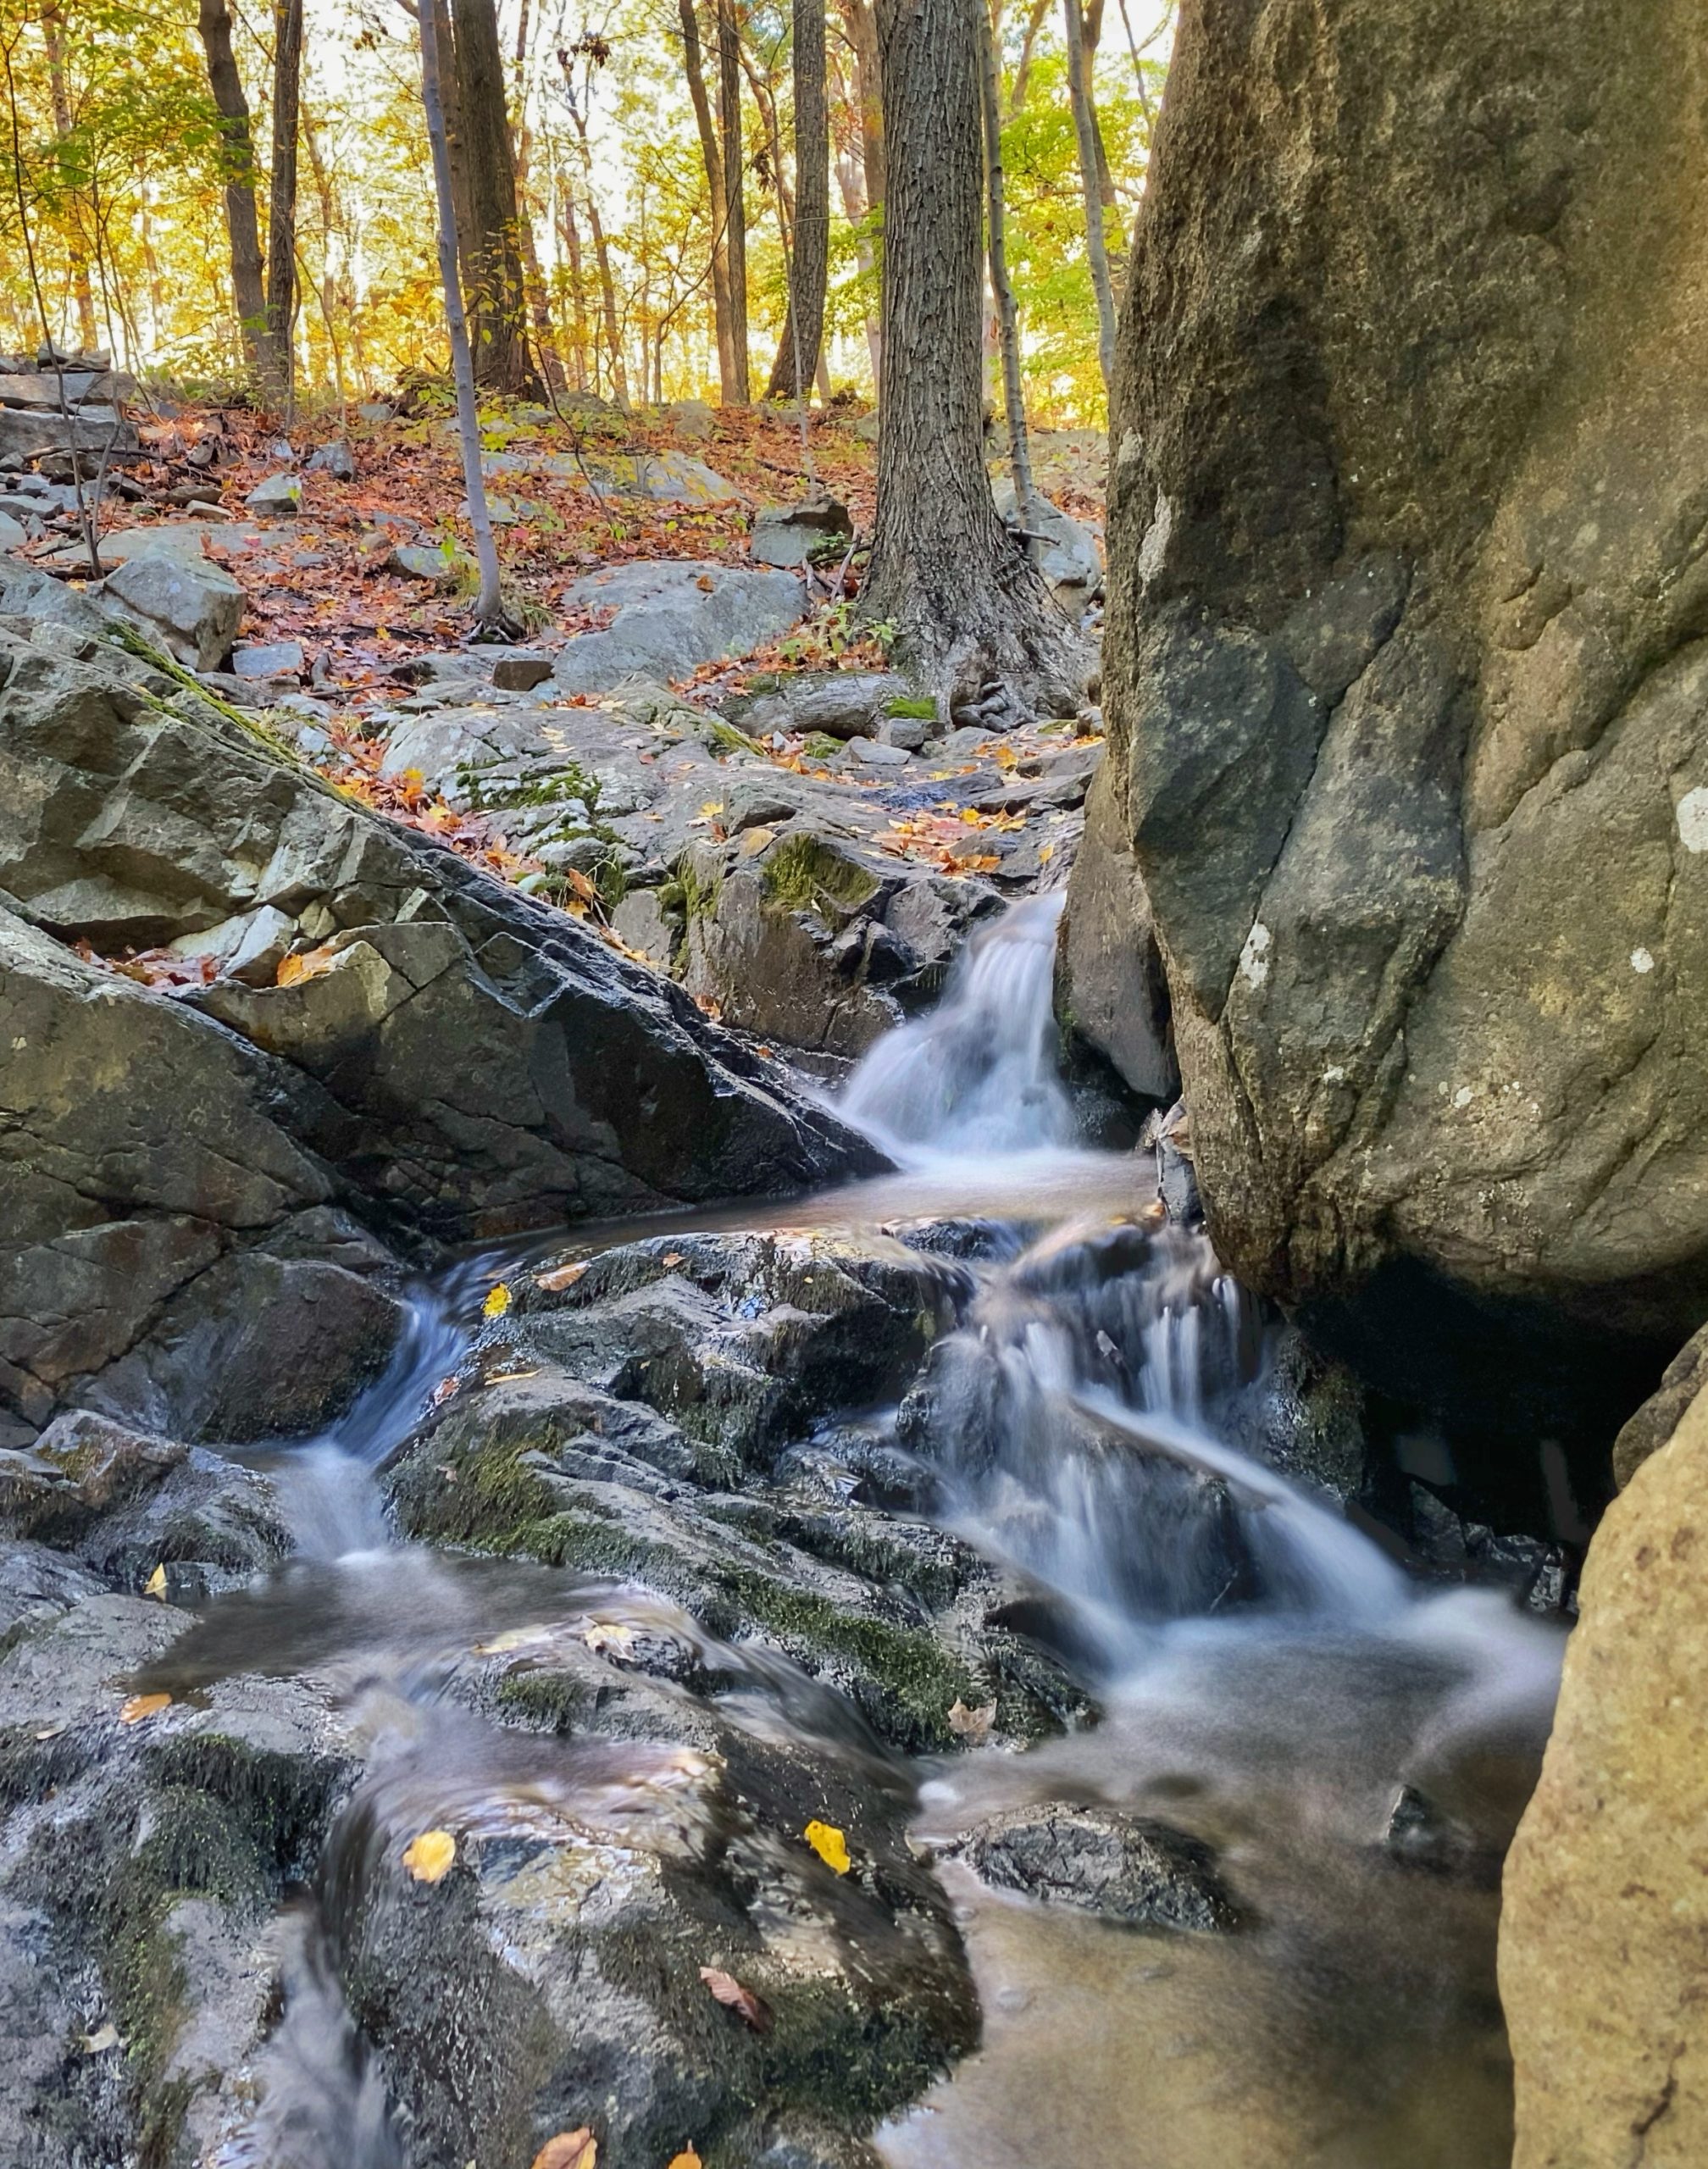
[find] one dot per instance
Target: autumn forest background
(236, 205)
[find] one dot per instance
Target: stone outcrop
(1604, 1921)
(1406, 677)
(459, 1060)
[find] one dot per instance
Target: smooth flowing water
(1271, 1682)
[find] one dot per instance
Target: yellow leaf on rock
(568, 2151)
(156, 1584)
(1046, 853)
(429, 1857)
(688, 2159)
(140, 1706)
(498, 1300)
(830, 1845)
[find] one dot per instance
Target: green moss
(724, 738)
(918, 1680)
(921, 706)
(850, 2067)
(555, 1700)
(820, 745)
(803, 872)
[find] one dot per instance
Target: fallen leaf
(429, 1857)
(445, 1388)
(688, 2159)
(508, 1378)
(140, 1706)
(754, 840)
(498, 1300)
(99, 2042)
(830, 1845)
(561, 1276)
(602, 1634)
(311, 964)
(568, 2151)
(971, 1724)
(709, 807)
(156, 1584)
(1046, 853)
(671, 1257)
(730, 1993)
(50, 1732)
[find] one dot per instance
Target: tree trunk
(854, 209)
(237, 175)
(1007, 316)
(607, 291)
(489, 608)
(88, 331)
(1091, 187)
(965, 602)
(712, 154)
(275, 345)
(735, 190)
(578, 290)
(1029, 47)
(803, 332)
(495, 287)
(862, 34)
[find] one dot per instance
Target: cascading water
(1269, 1678)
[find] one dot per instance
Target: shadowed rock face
(1407, 664)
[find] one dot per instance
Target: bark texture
(1096, 185)
(803, 330)
(965, 602)
(237, 175)
(494, 284)
(1406, 673)
(735, 166)
(711, 156)
(277, 343)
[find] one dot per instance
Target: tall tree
(489, 607)
(803, 328)
(78, 250)
(1008, 314)
(276, 345)
(1093, 167)
(712, 155)
(237, 175)
(735, 160)
(491, 252)
(967, 605)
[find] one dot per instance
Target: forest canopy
(143, 142)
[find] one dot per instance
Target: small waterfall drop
(978, 1075)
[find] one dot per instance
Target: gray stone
(38, 433)
(269, 659)
(873, 754)
(1064, 548)
(334, 459)
(373, 412)
(421, 561)
(671, 618)
(188, 603)
(794, 535)
(517, 673)
(1661, 1415)
(13, 536)
(1118, 1004)
(840, 703)
(277, 494)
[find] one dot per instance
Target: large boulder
(671, 618)
(457, 1059)
(1604, 1924)
(1405, 679)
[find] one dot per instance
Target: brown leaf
(730, 1993)
(560, 1276)
(971, 1724)
(577, 2150)
(444, 1389)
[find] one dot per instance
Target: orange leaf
(311, 964)
(688, 2159)
(730, 1993)
(429, 1857)
(561, 1276)
(140, 1706)
(577, 2150)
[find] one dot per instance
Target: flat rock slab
(672, 618)
(665, 477)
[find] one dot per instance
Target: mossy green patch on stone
(804, 872)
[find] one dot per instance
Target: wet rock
(188, 602)
(794, 535)
(1113, 993)
(672, 618)
(1123, 1868)
(1600, 1946)
(1415, 799)
(1661, 1415)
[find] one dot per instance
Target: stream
(1352, 1742)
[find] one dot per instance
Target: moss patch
(804, 872)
